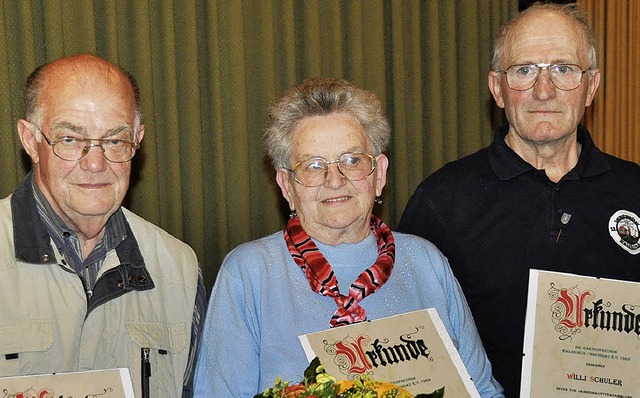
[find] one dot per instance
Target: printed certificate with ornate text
(412, 350)
(582, 337)
(108, 383)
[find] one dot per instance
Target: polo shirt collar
(507, 164)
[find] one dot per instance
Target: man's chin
(93, 210)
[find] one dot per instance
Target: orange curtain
(614, 117)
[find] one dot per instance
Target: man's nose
(544, 88)
(94, 158)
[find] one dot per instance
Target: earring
(378, 200)
(292, 214)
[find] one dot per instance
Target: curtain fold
(614, 118)
(208, 71)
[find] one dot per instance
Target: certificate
(582, 337)
(108, 383)
(411, 350)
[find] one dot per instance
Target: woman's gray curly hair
(322, 96)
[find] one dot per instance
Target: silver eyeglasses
(564, 77)
(72, 149)
(313, 172)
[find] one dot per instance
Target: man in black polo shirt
(542, 195)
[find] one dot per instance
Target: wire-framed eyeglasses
(564, 77)
(353, 166)
(72, 149)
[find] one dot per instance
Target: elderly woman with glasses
(335, 263)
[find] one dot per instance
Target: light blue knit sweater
(261, 302)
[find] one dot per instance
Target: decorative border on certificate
(582, 337)
(412, 350)
(107, 383)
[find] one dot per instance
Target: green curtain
(208, 71)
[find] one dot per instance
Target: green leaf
(310, 372)
(439, 393)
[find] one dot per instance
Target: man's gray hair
(573, 11)
(34, 111)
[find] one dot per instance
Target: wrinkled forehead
(548, 37)
(87, 77)
(88, 74)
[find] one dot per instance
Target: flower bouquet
(318, 383)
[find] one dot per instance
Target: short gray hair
(323, 96)
(573, 11)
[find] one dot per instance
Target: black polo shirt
(495, 217)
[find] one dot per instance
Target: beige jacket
(48, 323)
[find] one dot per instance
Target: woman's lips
(337, 200)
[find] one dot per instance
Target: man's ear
(493, 80)
(140, 135)
(282, 178)
(594, 82)
(26, 131)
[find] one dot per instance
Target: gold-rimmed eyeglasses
(72, 149)
(564, 77)
(353, 166)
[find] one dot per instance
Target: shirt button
(142, 279)
(45, 257)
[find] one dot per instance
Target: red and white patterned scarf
(322, 279)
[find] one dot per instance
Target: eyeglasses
(564, 77)
(73, 149)
(313, 172)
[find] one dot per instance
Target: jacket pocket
(22, 343)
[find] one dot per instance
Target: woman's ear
(382, 164)
(282, 178)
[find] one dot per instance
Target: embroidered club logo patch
(624, 227)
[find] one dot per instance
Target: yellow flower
(319, 384)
